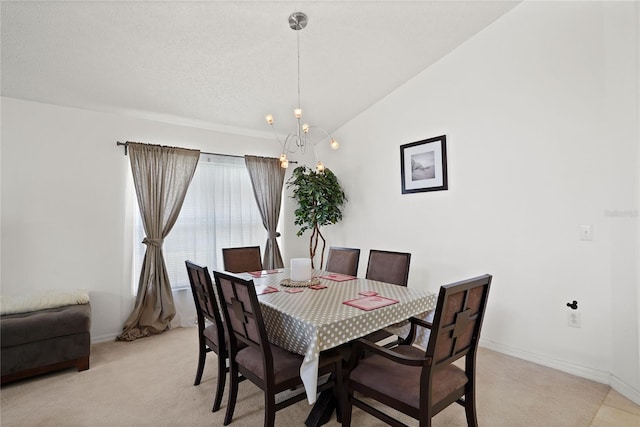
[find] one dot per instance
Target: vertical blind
(219, 211)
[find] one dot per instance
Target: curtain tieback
(273, 234)
(153, 242)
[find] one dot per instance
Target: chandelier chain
(298, 46)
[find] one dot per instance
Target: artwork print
(423, 165)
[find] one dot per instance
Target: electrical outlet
(574, 319)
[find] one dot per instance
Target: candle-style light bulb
(305, 128)
(334, 144)
(297, 112)
(284, 162)
(269, 118)
(319, 167)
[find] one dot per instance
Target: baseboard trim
(625, 389)
(104, 338)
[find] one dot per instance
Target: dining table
(331, 310)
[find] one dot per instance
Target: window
(219, 211)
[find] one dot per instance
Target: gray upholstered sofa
(39, 341)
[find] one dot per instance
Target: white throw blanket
(42, 300)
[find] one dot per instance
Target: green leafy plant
(320, 199)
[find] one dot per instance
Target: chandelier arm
(323, 131)
(275, 134)
(315, 153)
(287, 143)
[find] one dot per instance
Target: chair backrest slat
(242, 314)
(242, 259)
(203, 294)
(389, 267)
(458, 320)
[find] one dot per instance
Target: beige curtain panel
(161, 176)
(267, 178)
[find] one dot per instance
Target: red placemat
(336, 277)
(265, 289)
(370, 303)
(262, 272)
(368, 293)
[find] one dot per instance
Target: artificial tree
(320, 199)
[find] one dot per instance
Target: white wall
(67, 201)
(622, 86)
(541, 116)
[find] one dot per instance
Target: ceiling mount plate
(298, 20)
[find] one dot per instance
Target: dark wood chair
(388, 267)
(422, 383)
(343, 260)
(210, 338)
(268, 366)
(242, 259)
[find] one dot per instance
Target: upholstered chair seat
(402, 382)
(286, 367)
(211, 333)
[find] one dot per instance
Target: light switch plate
(586, 232)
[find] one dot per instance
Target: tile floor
(617, 411)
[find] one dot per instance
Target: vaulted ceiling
(225, 64)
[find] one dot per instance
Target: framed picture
(423, 165)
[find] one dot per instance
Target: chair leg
(202, 354)
(470, 409)
(233, 393)
(269, 409)
(222, 377)
(339, 391)
(346, 407)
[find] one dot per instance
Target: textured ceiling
(223, 64)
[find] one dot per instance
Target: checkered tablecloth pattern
(311, 321)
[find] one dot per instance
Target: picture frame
(423, 165)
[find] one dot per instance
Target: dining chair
(211, 337)
(388, 267)
(421, 383)
(343, 260)
(271, 368)
(242, 259)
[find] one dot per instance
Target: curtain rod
(125, 144)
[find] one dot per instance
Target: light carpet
(149, 382)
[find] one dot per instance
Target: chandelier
(301, 137)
